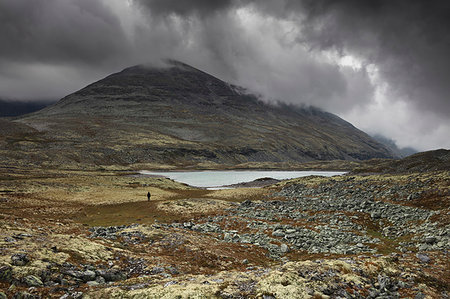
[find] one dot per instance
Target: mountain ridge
(179, 115)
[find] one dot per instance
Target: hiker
(148, 195)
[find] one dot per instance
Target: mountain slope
(390, 144)
(435, 160)
(178, 115)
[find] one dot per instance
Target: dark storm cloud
(51, 31)
(254, 54)
(409, 41)
(287, 50)
(185, 8)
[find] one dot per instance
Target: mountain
(390, 144)
(16, 108)
(180, 116)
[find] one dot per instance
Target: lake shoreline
(234, 178)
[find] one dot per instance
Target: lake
(213, 179)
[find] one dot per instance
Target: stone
(246, 239)
(64, 282)
(74, 273)
(236, 238)
(33, 281)
(384, 282)
(423, 247)
(25, 295)
(9, 240)
(157, 270)
(173, 270)
(75, 295)
(88, 275)
(375, 215)
(246, 203)
(278, 233)
(227, 237)
(100, 280)
(19, 259)
(284, 248)
(420, 295)
(169, 283)
(187, 224)
(5, 273)
(430, 240)
(112, 275)
(423, 258)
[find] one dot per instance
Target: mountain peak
(175, 112)
(162, 65)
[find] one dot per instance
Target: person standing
(148, 196)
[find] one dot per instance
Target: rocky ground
(353, 236)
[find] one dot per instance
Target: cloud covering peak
(383, 65)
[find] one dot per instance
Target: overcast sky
(382, 66)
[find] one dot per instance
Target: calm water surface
(215, 179)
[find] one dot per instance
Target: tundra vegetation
(93, 234)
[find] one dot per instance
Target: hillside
(179, 116)
(392, 146)
(437, 160)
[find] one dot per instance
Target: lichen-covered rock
(19, 259)
(112, 274)
(5, 273)
(33, 281)
(88, 275)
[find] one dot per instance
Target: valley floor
(93, 234)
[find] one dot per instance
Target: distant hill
(180, 116)
(437, 160)
(389, 143)
(16, 108)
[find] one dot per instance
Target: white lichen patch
(283, 285)
(194, 205)
(34, 267)
(89, 250)
(51, 256)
